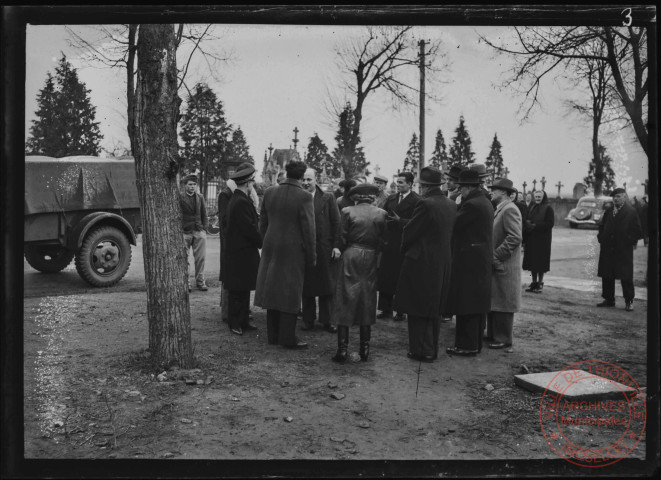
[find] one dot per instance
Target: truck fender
(96, 218)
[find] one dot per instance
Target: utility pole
(421, 43)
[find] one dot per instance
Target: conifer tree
(412, 155)
(238, 150)
(352, 159)
(65, 123)
(461, 151)
(609, 175)
(494, 162)
(317, 157)
(205, 134)
(439, 157)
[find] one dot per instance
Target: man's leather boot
(342, 344)
(365, 337)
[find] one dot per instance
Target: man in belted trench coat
(287, 226)
(424, 280)
(619, 232)
(472, 254)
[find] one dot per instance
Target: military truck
(82, 207)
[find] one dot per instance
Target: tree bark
(153, 129)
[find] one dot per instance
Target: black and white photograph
(330, 241)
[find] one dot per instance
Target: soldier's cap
(364, 189)
(191, 177)
(244, 174)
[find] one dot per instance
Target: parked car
(82, 207)
(588, 211)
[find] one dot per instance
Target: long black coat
(472, 255)
(392, 257)
(223, 202)
(537, 237)
(617, 235)
(320, 279)
(424, 280)
(243, 243)
(287, 226)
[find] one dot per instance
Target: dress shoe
(538, 288)
(399, 317)
(421, 358)
(203, 287)
(250, 326)
(413, 356)
(299, 345)
(499, 345)
(307, 328)
(383, 315)
(236, 331)
(606, 303)
(330, 328)
(628, 306)
(461, 352)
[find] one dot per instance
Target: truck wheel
(48, 258)
(104, 258)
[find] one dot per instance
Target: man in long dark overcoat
(242, 251)
(320, 279)
(472, 252)
(287, 226)
(399, 207)
(424, 280)
(619, 232)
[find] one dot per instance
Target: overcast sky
(280, 77)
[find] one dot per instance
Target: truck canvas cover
(78, 183)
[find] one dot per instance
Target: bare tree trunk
(153, 129)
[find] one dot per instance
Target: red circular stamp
(593, 413)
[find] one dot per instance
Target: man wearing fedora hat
(452, 175)
(424, 280)
(506, 274)
(619, 232)
(287, 226)
(242, 251)
(195, 224)
(472, 254)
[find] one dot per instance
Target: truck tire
(48, 258)
(104, 257)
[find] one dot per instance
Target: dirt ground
(89, 394)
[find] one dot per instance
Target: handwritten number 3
(628, 19)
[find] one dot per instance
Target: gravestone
(589, 387)
(580, 190)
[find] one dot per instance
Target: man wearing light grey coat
(506, 274)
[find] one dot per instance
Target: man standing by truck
(195, 222)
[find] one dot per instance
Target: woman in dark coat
(362, 227)
(242, 251)
(537, 240)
